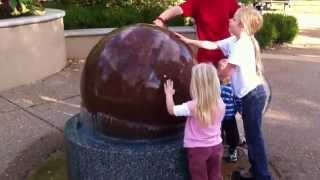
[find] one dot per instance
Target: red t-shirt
(212, 22)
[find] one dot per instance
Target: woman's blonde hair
(205, 89)
(252, 21)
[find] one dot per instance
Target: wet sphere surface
(122, 82)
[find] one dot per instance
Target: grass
(54, 168)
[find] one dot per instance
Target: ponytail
(257, 52)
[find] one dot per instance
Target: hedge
(98, 16)
(277, 28)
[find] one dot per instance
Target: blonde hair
(252, 21)
(205, 89)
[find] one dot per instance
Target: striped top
(233, 104)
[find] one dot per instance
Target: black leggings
(230, 129)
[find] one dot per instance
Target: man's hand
(159, 23)
(166, 15)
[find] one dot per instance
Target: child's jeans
(205, 163)
(253, 104)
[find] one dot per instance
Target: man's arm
(168, 14)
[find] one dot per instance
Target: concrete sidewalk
(32, 117)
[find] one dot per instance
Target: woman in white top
(245, 66)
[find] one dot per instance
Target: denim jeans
(253, 104)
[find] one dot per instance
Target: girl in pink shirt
(204, 115)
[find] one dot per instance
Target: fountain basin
(93, 155)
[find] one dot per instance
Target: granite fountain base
(95, 156)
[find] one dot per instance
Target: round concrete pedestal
(92, 155)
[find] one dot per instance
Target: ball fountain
(123, 130)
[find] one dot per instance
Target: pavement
(32, 116)
(292, 123)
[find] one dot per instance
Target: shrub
(287, 30)
(11, 8)
(98, 16)
(277, 28)
(267, 35)
(246, 2)
(286, 26)
(120, 3)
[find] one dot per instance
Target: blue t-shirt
(233, 104)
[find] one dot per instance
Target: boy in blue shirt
(229, 125)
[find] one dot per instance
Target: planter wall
(80, 42)
(31, 48)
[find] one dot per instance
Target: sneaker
(233, 157)
(246, 174)
(243, 143)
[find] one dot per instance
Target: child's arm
(225, 69)
(175, 110)
(201, 44)
(238, 104)
(169, 91)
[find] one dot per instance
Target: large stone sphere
(122, 82)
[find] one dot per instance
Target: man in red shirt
(211, 19)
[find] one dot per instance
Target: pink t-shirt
(196, 135)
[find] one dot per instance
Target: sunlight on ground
(25, 102)
(310, 104)
(300, 41)
(282, 116)
(292, 57)
(46, 98)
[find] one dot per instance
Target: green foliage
(120, 3)
(246, 2)
(267, 34)
(287, 28)
(277, 28)
(20, 7)
(98, 16)
(11, 8)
